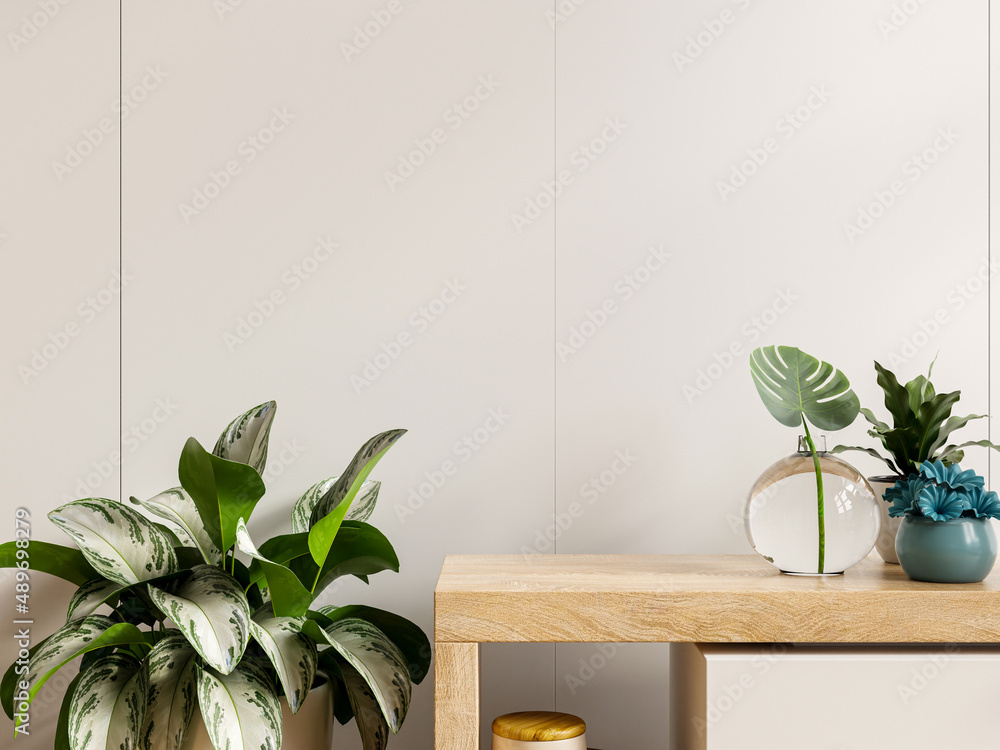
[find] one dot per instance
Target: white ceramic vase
(310, 729)
(885, 545)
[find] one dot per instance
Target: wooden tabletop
(701, 599)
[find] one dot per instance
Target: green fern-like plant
(921, 425)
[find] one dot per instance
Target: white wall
(506, 344)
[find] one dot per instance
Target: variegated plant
(186, 623)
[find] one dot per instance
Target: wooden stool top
(538, 726)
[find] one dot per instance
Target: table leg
(456, 696)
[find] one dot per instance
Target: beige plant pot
(310, 729)
(885, 545)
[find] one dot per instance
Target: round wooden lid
(538, 726)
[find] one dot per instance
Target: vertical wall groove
(555, 327)
(121, 254)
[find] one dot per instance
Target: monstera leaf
(241, 709)
(796, 387)
(223, 491)
(117, 541)
(211, 610)
(109, 704)
(245, 439)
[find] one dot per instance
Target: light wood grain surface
(700, 599)
(456, 696)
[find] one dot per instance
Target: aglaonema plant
(798, 389)
(177, 607)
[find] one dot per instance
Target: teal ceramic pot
(962, 550)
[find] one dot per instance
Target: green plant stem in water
(819, 500)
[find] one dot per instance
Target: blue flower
(982, 504)
(952, 476)
(904, 495)
(941, 503)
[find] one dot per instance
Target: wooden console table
(679, 599)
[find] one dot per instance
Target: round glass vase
(782, 516)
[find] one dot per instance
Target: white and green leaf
(241, 709)
(72, 640)
(289, 597)
(349, 483)
(371, 723)
(211, 610)
(364, 503)
(303, 507)
(223, 491)
(293, 655)
(377, 660)
(360, 550)
(172, 533)
(408, 636)
(89, 597)
(109, 704)
(333, 506)
(245, 439)
(177, 506)
(361, 509)
(172, 693)
(61, 740)
(116, 540)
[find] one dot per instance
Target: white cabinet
(853, 697)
